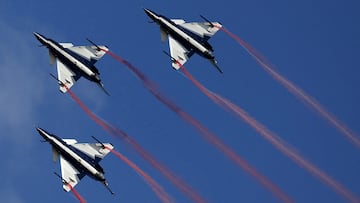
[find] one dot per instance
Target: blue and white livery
(72, 62)
(77, 159)
(186, 38)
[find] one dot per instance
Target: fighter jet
(73, 61)
(186, 38)
(77, 159)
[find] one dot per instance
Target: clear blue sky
(313, 43)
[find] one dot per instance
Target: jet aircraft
(185, 39)
(77, 159)
(74, 61)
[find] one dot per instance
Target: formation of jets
(72, 62)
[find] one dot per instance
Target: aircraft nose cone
(41, 132)
(147, 10)
(41, 38)
(150, 13)
(37, 35)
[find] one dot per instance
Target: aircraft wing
(204, 30)
(66, 76)
(178, 52)
(95, 151)
(90, 53)
(69, 174)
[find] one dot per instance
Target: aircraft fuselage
(73, 61)
(186, 38)
(75, 157)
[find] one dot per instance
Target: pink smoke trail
(210, 137)
(179, 183)
(297, 91)
(275, 140)
(159, 191)
(76, 194)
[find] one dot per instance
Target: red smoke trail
(77, 195)
(274, 140)
(180, 184)
(160, 192)
(210, 137)
(98, 121)
(291, 87)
